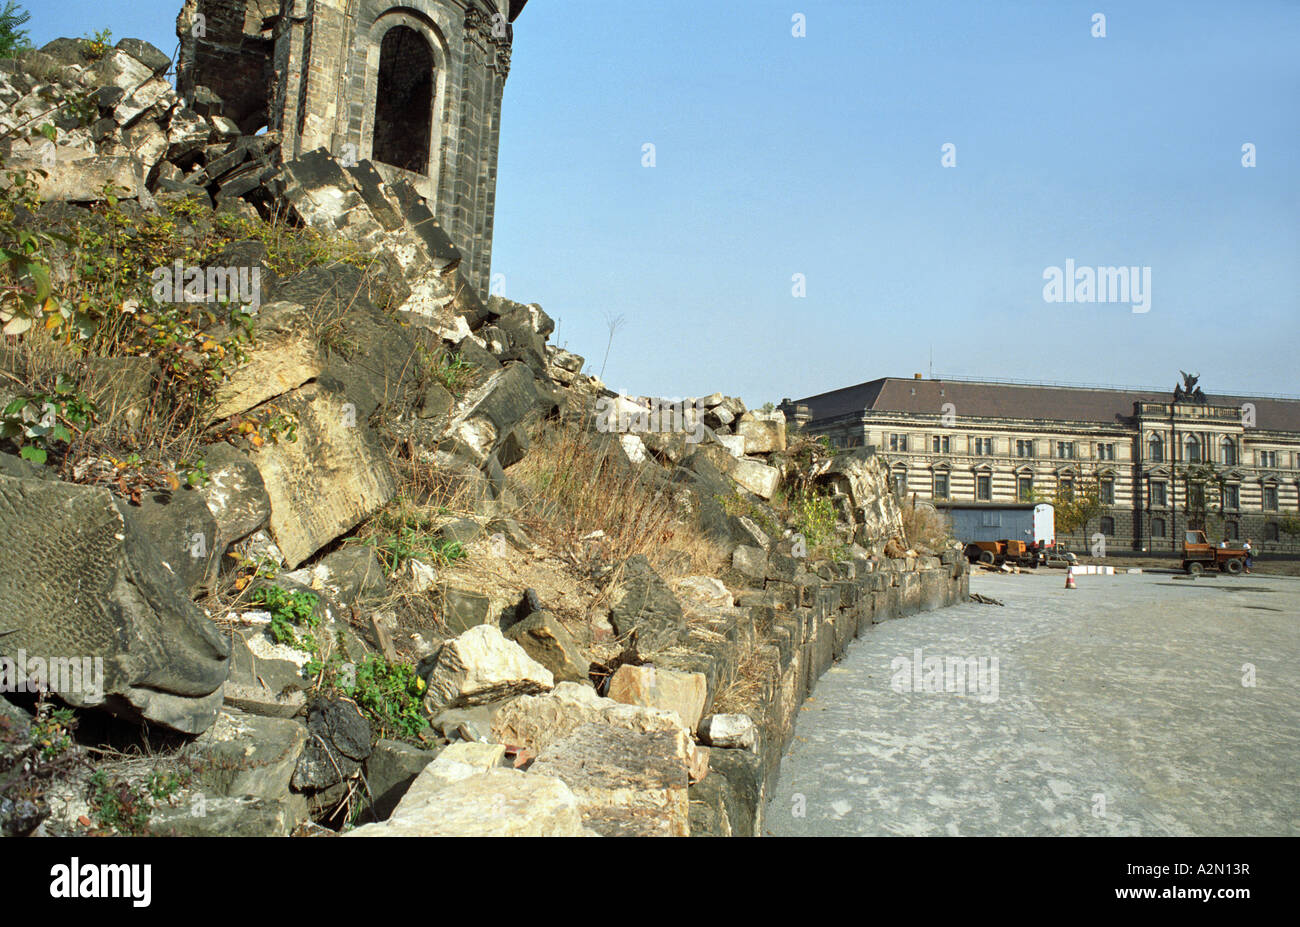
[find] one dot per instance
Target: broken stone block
(633, 447)
(142, 86)
(456, 762)
(718, 415)
(781, 567)
(83, 179)
(187, 133)
(735, 444)
(565, 367)
(864, 478)
(148, 55)
(328, 480)
(224, 128)
(462, 609)
(534, 721)
(285, 355)
(339, 742)
(762, 435)
(390, 769)
(229, 817)
(731, 731)
(262, 685)
(351, 575)
(244, 754)
(184, 531)
(492, 409)
(644, 603)
(699, 764)
(750, 562)
(685, 694)
(752, 533)
(705, 590)
(481, 666)
(628, 783)
(758, 478)
(234, 492)
(145, 141)
(495, 803)
(83, 584)
(546, 641)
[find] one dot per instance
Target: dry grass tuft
(923, 526)
(745, 692)
(575, 483)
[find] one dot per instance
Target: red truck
(1200, 555)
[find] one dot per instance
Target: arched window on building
(404, 100)
(1192, 449)
(1229, 452)
(1155, 449)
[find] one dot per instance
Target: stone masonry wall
(804, 625)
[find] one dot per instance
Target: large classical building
(1164, 461)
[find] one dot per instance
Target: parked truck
(1200, 555)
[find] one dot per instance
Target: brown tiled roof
(1013, 400)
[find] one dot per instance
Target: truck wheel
(1232, 566)
(1195, 568)
(986, 556)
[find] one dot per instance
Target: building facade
(1228, 464)
(414, 86)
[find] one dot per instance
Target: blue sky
(820, 156)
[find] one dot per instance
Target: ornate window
(1229, 448)
(404, 100)
(1155, 449)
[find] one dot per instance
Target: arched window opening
(1229, 452)
(1156, 449)
(404, 100)
(1193, 448)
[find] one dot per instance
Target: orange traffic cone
(1069, 577)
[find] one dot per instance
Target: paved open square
(1135, 705)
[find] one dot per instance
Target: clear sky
(821, 156)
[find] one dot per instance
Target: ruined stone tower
(412, 85)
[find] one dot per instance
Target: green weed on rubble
(390, 692)
(119, 807)
(41, 424)
(289, 611)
